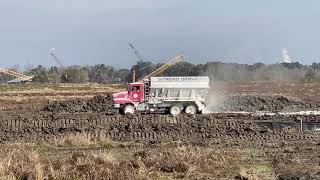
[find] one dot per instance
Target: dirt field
(85, 139)
(34, 97)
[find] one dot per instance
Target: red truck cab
(127, 101)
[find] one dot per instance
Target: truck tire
(128, 109)
(175, 110)
(191, 109)
(121, 111)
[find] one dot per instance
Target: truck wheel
(191, 109)
(175, 110)
(128, 109)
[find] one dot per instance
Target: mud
(96, 104)
(269, 103)
(231, 103)
(202, 129)
(96, 118)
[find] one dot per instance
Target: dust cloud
(214, 99)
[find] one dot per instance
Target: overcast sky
(98, 31)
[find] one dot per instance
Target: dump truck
(174, 95)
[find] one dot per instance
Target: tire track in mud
(237, 130)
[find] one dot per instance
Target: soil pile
(231, 103)
(207, 129)
(96, 104)
(271, 104)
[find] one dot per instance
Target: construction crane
(136, 52)
(164, 67)
(16, 74)
(158, 71)
(56, 59)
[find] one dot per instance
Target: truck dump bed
(178, 88)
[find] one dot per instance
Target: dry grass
(81, 165)
(74, 139)
(190, 162)
(21, 164)
(82, 139)
(23, 161)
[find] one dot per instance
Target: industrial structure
(158, 71)
(56, 59)
(20, 78)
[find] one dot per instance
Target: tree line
(217, 71)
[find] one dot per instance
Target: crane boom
(164, 67)
(16, 74)
(56, 59)
(136, 52)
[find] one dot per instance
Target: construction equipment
(16, 74)
(56, 59)
(160, 70)
(172, 95)
(164, 67)
(136, 52)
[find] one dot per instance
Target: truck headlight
(116, 106)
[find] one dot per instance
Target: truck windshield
(135, 88)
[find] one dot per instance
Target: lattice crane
(56, 59)
(158, 71)
(136, 52)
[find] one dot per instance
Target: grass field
(80, 158)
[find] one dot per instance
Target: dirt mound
(232, 103)
(96, 104)
(202, 129)
(256, 103)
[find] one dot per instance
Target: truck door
(136, 94)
